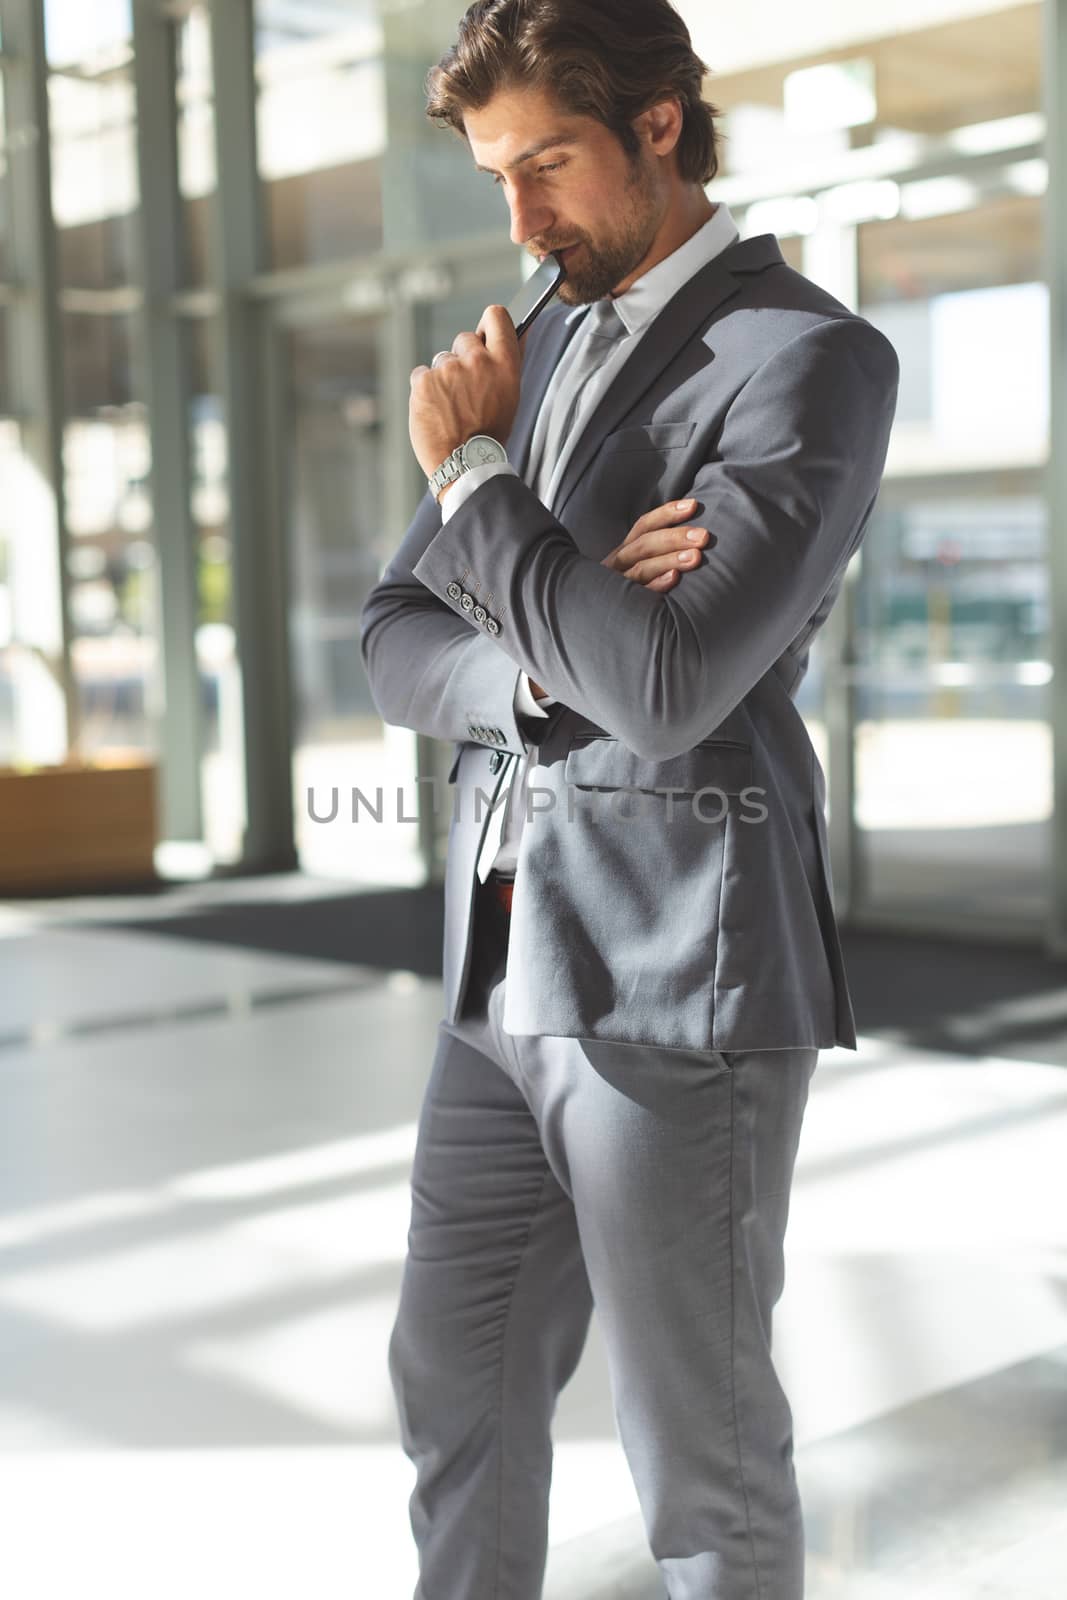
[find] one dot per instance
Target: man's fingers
(665, 516)
(498, 331)
(654, 568)
(670, 543)
(660, 546)
(658, 566)
(468, 344)
(495, 336)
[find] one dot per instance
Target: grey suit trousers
(553, 1174)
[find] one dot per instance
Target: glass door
(952, 673)
(953, 744)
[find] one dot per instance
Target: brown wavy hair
(607, 59)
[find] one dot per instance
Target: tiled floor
(204, 1155)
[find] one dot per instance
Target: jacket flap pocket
(656, 436)
(712, 764)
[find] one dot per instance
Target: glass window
(94, 172)
(10, 461)
(953, 744)
(210, 475)
(111, 558)
(963, 299)
(77, 34)
(32, 701)
(196, 137)
(321, 128)
(336, 515)
(819, 141)
(32, 708)
(97, 360)
(787, 115)
(216, 640)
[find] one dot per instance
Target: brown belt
(502, 889)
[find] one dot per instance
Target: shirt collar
(648, 296)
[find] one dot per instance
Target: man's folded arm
(430, 668)
(798, 465)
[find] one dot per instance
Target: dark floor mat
(977, 999)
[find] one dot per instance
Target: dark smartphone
(536, 293)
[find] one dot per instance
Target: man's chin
(581, 292)
(594, 280)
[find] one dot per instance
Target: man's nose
(530, 219)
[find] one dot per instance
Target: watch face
(481, 451)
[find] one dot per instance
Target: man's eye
(551, 166)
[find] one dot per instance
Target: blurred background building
(227, 233)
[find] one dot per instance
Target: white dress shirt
(637, 308)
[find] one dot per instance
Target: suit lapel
(668, 333)
(554, 332)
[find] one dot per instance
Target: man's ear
(660, 127)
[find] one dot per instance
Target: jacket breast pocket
(634, 470)
(654, 436)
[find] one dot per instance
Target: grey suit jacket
(703, 921)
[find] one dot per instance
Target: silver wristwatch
(481, 451)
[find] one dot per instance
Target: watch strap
(456, 465)
(449, 470)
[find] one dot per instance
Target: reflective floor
(204, 1156)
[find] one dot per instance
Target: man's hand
(474, 390)
(656, 551)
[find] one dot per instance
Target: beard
(597, 267)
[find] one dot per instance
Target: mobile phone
(536, 293)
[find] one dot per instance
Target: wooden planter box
(79, 825)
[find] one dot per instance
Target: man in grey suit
(641, 961)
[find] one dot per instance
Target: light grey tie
(601, 331)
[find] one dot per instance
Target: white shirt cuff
(524, 699)
(465, 486)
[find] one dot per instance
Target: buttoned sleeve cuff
(460, 491)
(525, 704)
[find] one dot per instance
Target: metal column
(260, 570)
(165, 384)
